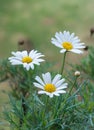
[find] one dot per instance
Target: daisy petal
(77, 51)
(47, 77)
(50, 88)
(38, 79)
(56, 78)
(28, 60)
(38, 85)
(59, 83)
(68, 42)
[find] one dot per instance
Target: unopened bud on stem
(77, 73)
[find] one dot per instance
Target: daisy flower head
(26, 59)
(50, 86)
(68, 42)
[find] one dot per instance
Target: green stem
(57, 106)
(73, 85)
(44, 111)
(63, 63)
(71, 89)
(68, 93)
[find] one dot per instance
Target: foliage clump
(32, 108)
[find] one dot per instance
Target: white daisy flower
(26, 59)
(50, 87)
(67, 42)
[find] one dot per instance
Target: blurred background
(36, 21)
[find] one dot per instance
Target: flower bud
(77, 73)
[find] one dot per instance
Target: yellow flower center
(67, 45)
(26, 59)
(50, 88)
